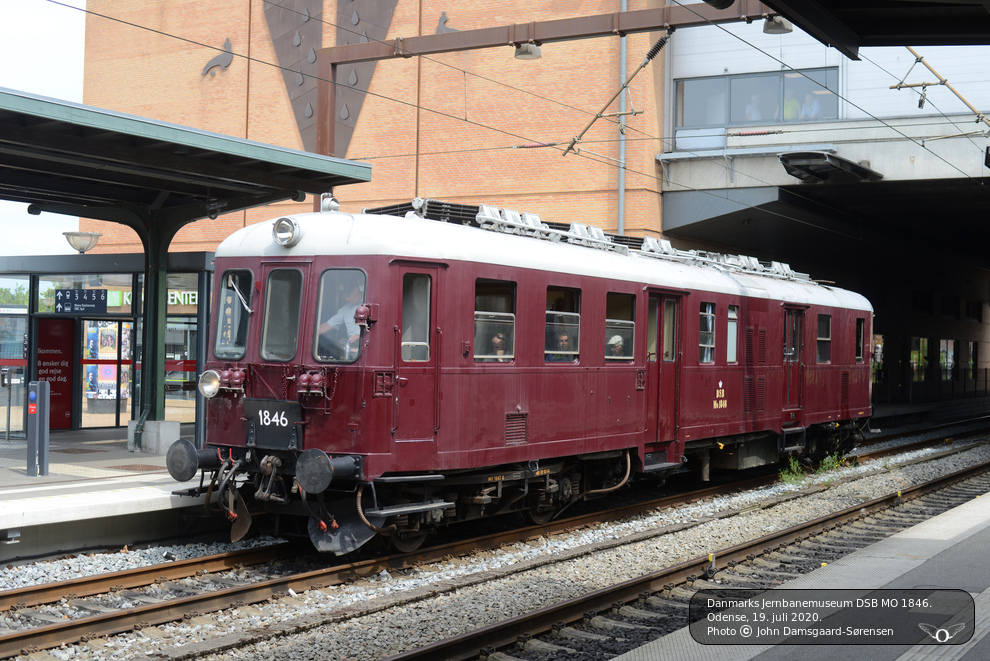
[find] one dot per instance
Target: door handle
(403, 380)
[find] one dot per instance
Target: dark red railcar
(389, 372)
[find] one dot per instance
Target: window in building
(950, 307)
(759, 98)
(860, 339)
(919, 358)
(974, 362)
(494, 321)
(824, 338)
(974, 311)
(280, 330)
(706, 334)
(732, 335)
(948, 358)
(562, 341)
(338, 336)
(669, 330)
(233, 314)
(620, 326)
(416, 301)
(922, 301)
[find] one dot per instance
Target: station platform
(96, 492)
(947, 552)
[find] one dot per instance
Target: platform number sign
(80, 301)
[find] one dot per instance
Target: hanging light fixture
(777, 25)
(82, 241)
(527, 52)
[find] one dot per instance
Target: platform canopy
(848, 25)
(155, 177)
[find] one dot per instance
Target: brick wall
(449, 126)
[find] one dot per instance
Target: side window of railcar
(824, 338)
(706, 334)
(233, 313)
(562, 338)
(860, 339)
(732, 335)
(338, 336)
(669, 331)
(280, 334)
(620, 326)
(494, 321)
(416, 294)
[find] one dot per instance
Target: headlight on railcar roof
(209, 384)
(286, 232)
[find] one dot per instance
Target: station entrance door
(107, 372)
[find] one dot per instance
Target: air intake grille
(516, 428)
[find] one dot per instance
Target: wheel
(408, 542)
(539, 517)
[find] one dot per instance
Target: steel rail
(468, 645)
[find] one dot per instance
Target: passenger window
(860, 339)
(494, 321)
(824, 338)
(669, 330)
(620, 326)
(234, 312)
(651, 331)
(732, 335)
(338, 336)
(415, 317)
(706, 334)
(280, 334)
(562, 339)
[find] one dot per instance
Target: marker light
(209, 384)
(286, 232)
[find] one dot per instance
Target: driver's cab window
(234, 313)
(338, 336)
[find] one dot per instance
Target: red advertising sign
(56, 338)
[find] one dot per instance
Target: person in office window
(792, 107)
(343, 321)
(753, 113)
(564, 350)
(811, 108)
(615, 347)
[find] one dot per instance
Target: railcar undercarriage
(343, 512)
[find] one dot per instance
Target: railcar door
(417, 415)
(663, 359)
(793, 365)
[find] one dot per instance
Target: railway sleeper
(639, 614)
(577, 634)
(537, 646)
(660, 602)
(85, 605)
(605, 623)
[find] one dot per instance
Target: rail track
(655, 604)
(176, 600)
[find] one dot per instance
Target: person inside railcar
(562, 350)
(616, 348)
(500, 347)
(343, 321)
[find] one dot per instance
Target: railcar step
(650, 468)
(412, 508)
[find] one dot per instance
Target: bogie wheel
(539, 517)
(408, 542)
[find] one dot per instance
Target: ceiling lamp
(82, 241)
(777, 25)
(527, 52)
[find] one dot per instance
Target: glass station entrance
(81, 331)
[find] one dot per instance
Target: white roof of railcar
(336, 233)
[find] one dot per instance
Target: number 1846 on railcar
(386, 373)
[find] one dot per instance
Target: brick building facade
(449, 126)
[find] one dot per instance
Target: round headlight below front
(286, 232)
(209, 383)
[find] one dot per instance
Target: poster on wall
(56, 337)
(108, 340)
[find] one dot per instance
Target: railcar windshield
(280, 335)
(234, 313)
(338, 336)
